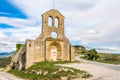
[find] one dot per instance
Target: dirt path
(110, 66)
(99, 73)
(7, 76)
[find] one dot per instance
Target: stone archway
(55, 51)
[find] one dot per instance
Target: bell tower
(54, 45)
(53, 24)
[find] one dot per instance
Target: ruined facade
(51, 45)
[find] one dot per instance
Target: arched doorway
(55, 51)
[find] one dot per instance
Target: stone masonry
(51, 45)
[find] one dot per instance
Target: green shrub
(18, 46)
(92, 55)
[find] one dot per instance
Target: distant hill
(6, 54)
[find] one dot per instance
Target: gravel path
(110, 66)
(7, 76)
(100, 71)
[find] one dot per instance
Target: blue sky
(9, 10)
(91, 23)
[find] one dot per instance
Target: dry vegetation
(109, 58)
(50, 71)
(4, 61)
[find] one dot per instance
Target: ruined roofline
(54, 11)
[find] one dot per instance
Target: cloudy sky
(91, 23)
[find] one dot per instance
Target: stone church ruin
(51, 45)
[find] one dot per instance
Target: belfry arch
(56, 23)
(50, 21)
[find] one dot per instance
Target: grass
(108, 58)
(4, 61)
(49, 71)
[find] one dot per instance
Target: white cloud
(103, 19)
(91, 21)
(2, 36)
(32, 8)
(17, 22)
(108, 49)
(8, 43)
(25, 29)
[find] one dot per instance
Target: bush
(18, 46)
(92, 55)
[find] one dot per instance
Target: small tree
(92, 55)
